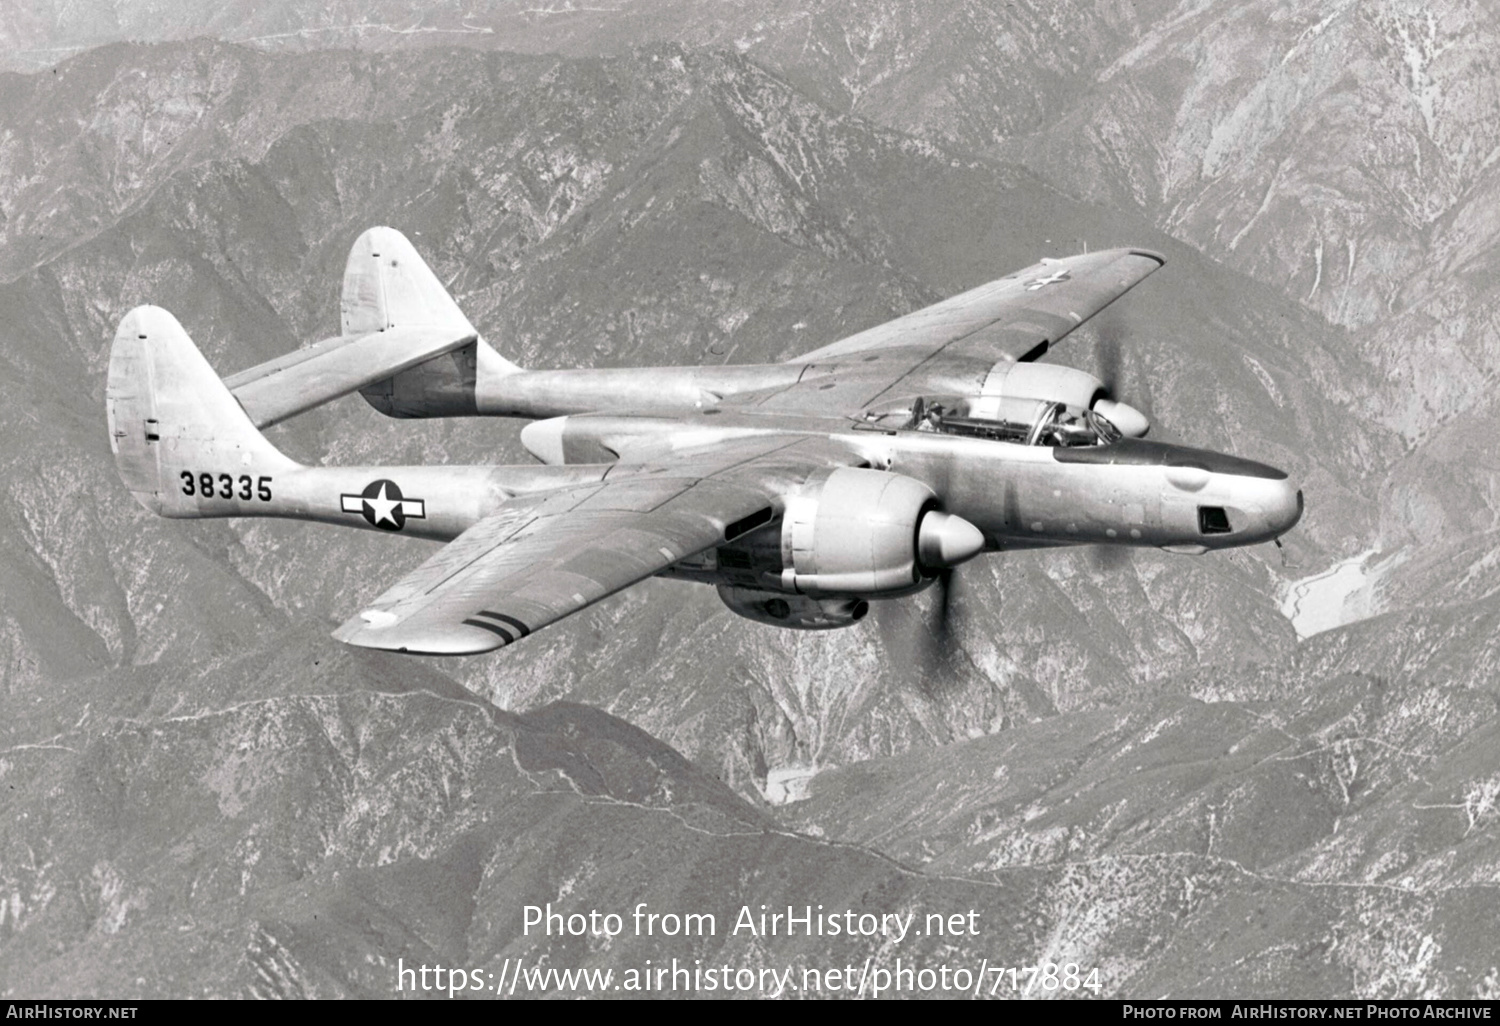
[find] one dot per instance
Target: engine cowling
(853, 531)
(1050, 381)
(801, 612)
(1011, 383)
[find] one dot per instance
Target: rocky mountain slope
(1119, 759)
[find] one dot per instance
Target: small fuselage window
(1213, 520)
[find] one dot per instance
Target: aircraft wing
(300, 380)
(1018, 316)
(547, 555)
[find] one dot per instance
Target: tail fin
(387, 285)
(182, 444)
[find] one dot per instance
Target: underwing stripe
(517, 624)
(493, 628)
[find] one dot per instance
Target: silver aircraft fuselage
(1130, 492)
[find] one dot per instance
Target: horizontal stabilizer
(298, 381)
(395, 316)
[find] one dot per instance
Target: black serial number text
(226, 486)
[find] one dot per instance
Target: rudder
(182, 444)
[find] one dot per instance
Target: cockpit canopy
(1001, 418)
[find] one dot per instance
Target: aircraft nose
(1283, 507)
(1293, 513)
(1279, 505)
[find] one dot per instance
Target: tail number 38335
(226, 486)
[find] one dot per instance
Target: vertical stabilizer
(388, 285)
(182, 444)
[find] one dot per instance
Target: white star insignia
(382, 508)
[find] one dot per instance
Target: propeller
(1109, 559)
(943, 542)
(942, 605)
(1127, 418)
(1107, 357)
(936, 648)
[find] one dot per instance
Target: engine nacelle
(1048, 381)
(800, 612)
(868, 532)
(1010, 387)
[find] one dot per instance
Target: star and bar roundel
(383, 506)
(1052, 279)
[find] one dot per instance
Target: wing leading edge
(1017, 316)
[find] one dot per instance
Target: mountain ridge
(679, 204)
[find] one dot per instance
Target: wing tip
(363, 633)
(1113, 254)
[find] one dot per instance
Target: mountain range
(1265, 772)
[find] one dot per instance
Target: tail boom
(186, 449)
(439, 503)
